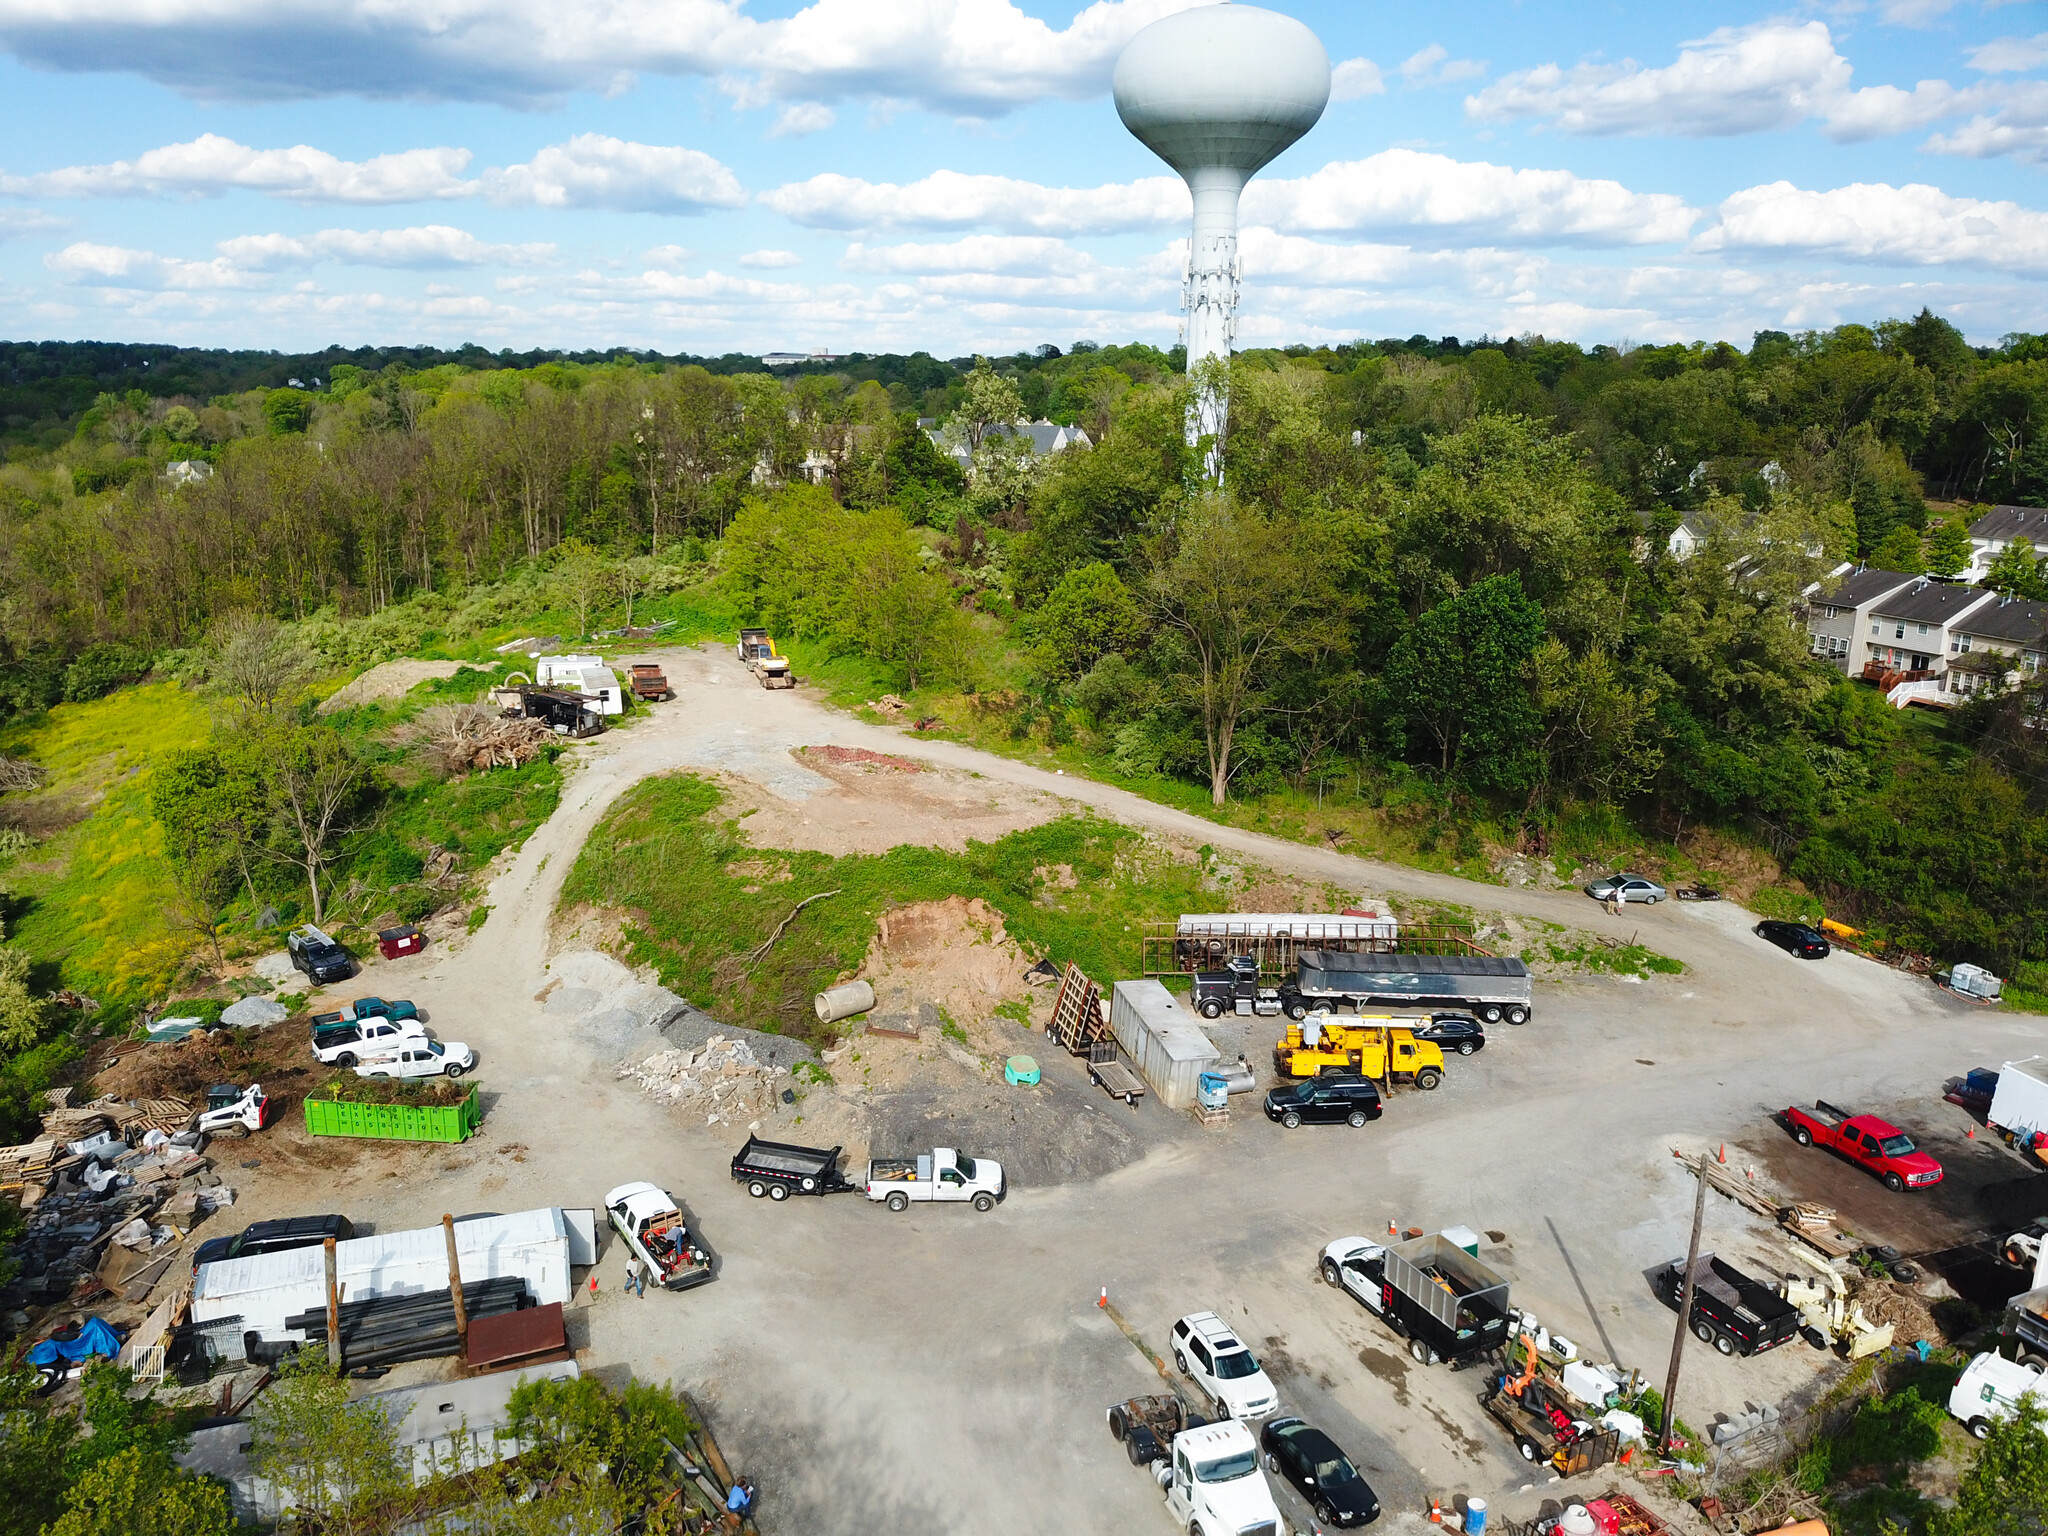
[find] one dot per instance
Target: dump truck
(1433, 1293)
(758, 654)
(1490, 988)
(650, 682)
(1378, 1047)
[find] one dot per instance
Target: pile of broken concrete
(723, 1077)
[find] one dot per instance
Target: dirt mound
(849, 808)
(386, 680)
(861, 757)
(950, 956)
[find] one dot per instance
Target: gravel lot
(948, 1372)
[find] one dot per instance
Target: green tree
(35, 1451)
(916, 623)
(2015, 572)
(23, 1015)
(1948, 547)
(257, 665)
(1089, 615)
(1900, 550)
(1459, 677)
(585, 581)
(287, 410)
(335, 1464)
(316, 786)
(1241, 595)
(991, 402)
(2005, 1493)
(136, 1492)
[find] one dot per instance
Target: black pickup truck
(1735, 1314)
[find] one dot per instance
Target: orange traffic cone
(1436, 1513)
(1392, 1230)
(1104, 1301)
(1723, 1156)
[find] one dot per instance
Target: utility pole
(455, 1282)
(1692, 1257)
(333, 1312)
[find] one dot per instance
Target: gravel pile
(722, 1077)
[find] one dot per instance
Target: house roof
(1930, 602)
(2015, 621)
(1864, 585)
(2011, 522)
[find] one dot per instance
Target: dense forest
(1436, 574)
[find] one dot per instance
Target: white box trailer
(267, 1288)
(591, 675)
(1162, 1038)
(2019, 1104)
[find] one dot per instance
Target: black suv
(1325, 1100)
(1454, 1032)
(274, 1237)
(319, 957)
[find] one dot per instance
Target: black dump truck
(778, 1170)
(1450, 1306)
(1735, 1314)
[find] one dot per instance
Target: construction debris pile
(455, 739)
(723, 1075)
(109, 1192)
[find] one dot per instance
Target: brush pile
(454, 739)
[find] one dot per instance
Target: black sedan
(1454, 1032)
(1310, 1463)
(1795, 939)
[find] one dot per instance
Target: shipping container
(270, 1287)
(1162, 1040)
(2019, 1104)
(395, 1122)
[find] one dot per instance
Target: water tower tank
(1216, 93)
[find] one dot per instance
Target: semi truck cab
(1214, 1484)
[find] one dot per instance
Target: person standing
(636, 1276)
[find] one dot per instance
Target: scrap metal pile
(387, 1329)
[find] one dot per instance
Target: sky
(710, 176)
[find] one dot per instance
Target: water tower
(1216, 93)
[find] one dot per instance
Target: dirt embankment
(872, 803)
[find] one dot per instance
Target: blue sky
(884, 175)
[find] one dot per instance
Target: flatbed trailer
(1117, 1080)
(1548, 1426)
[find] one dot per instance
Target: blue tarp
(95, 1338)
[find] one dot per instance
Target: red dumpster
(393, 942)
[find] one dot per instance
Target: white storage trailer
(264, 1290)
(2019, 1105)
(1162, 1039)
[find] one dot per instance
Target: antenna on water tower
(1216, 93)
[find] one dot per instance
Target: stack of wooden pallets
(1077, 1021)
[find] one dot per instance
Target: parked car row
(377, 1037)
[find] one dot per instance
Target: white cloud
(1772, 75)
(113, 266)
(768, 260)
(1432, 198)
(429, 245)
(588, 171)
(594, 170)
(1435, 66)
(802, 117)
(667, 256)
(955, 200)
(1355, 78)
(972, 57)
(2010, 54)
(1914, 225)
(15, 223)
(1914, 13)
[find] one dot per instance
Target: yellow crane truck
(1380, 1047)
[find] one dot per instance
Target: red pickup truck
(1866, 1140)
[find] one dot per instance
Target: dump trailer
(778, 1169)
(769, 666)
(1450, 1306)
(1490, 987)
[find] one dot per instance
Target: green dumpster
(394, 1122)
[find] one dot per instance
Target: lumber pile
(1077, 1021)
(705, 1479)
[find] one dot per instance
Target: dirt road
(945, 1372)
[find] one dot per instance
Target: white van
(1990, 1389)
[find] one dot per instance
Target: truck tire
(1518, 1015)
(345, 1059)
(1291, 1120)
(1211, 1009)
(1724, 1344)
(1117, 1423)
(778, 1192)
(1894, 1183)
(757, 1189)
(1357, 1119)
(2014, 1257)
(1980, 1428)
(1297, 1010)
(984, 1201)
(1423, 1354)
(1529, 1449)
(1490, 1013)
(1802, 1135)
(1704, 1332)
(899, 1202)
(2033, 1360)
(456, 1071)
(1331, 1274)
(1428, 1078)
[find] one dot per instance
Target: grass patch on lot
(664, 856)
(1614, 959)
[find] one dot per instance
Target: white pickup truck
(941, 1174)
(421, 1058)
(343, 1045)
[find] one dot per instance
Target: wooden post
(1692, 1257)
(333, 1311)
(455, 1281)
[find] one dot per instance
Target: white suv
(1213, 1358)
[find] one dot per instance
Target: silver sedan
(1626, 888)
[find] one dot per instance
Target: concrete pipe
(844, 1001)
